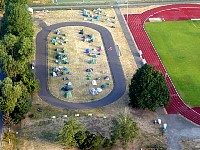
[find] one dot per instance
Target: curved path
(169, 13)
(42, 67)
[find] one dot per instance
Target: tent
(92, 61)
(91, 37)
(106, 78)
(54, 74)
(103, 86)
(53, 40)
(68, 94)
(69, 83)
(87, 51)
(89, 70)
(59, 56)
(67, 88)
(99, 90)
(57, 31)
(88, 77)
(81, 31)
(97, 17)
(93, 91)
(94, 82)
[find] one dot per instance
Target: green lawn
(178, 45)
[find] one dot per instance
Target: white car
(33, 66)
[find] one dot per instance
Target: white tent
(94, 82)
(54, 74)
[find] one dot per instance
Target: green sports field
(178, 45)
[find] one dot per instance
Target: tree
(124, 129)
(80, 137)
(19, 48)
(91, 142)
(23, 104)
(148, 89)
(16, 19)
(11, 67)
(28, 79)
(66, 137)
(9, 93)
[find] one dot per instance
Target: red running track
(167, 13)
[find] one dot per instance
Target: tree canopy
(148, 89)
(9, 93)
(16, 52)
(16, 19)
(66, 137)
(124, 129)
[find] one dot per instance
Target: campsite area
(83, 65)
(76, 47)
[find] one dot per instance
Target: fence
(114, 1)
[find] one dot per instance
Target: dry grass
(190, 144)
(127, 60)
(75, 49)
(44, 131)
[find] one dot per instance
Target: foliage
(7, 121)
(29, 81)
(66, 137)
(124, 129)
(17, 20)
(23, 104)
(9, 93)
(158, 147)
(9, 136)
(107, 143)
(2, 4)
(19, 48)
(12, 67)
(91, 142)
(148, 89)
(16, 50)
(80, 137)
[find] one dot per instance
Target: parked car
(33, 66)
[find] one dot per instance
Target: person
(110, 49)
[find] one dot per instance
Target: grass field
(177, 44)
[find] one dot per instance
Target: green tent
(59, 56)
(68, 94)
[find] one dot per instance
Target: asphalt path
(42, 67)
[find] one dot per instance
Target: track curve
(41, 68)
(143, 42)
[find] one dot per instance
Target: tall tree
(148, 89)
(18, 48)
(92, 141)
(9, 93)
(124, 128)
(17, 20)
(12, 67)
(66, 137)
(23, 104)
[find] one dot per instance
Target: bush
(107, 143)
